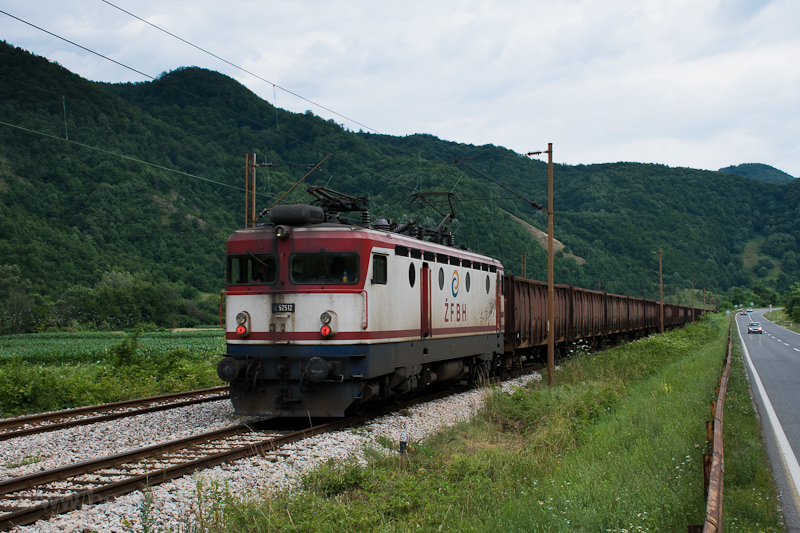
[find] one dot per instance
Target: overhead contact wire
(122, 156)
(153, 78)
(241, 68)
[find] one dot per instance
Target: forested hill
(758, 171)
(116, 200)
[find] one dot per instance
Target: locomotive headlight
(243, 323)
(282, 232)
(330, 324)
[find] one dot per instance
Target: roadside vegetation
(782, 318)
(615, 446)
(51, 371)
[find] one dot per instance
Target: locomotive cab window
(246, 269)
(379, 270)
(324, 267)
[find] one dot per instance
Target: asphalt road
(772, 359)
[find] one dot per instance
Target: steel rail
(133, 460)
(164, 402)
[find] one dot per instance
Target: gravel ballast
(173, 505)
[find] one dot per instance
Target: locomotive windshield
(324, 267)
(252, 268)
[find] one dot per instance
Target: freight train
(324, 316)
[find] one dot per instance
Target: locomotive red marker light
(242, 323)
(325, 331)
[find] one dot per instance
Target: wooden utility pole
(661, 284)
(250, 190)
(551, 303)
(660, 289)
(524, 264)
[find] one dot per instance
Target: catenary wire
(274, 85)
(153, 78)
(240, 68)
(122, 156)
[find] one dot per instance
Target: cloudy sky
(698, 83)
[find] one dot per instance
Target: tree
(789, 262)
(763, 267)
(778, 244)
(16, 315)
(792, 299)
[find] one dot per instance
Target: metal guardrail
(714, 463)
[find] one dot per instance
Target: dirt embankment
(541, 238)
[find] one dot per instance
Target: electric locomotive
(323, 315)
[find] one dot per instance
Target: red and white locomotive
(324, 315)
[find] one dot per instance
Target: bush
(792, 299)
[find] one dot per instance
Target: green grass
(750, 493)
(752, 255)
(90, 347)
(780, 318)
(616, 445)
(25, 460)
(51, 371)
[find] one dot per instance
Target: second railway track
(11, 428)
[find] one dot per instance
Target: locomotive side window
(324, 267)
(441, 279)
(488, 285)
(379, 269)
(468, 281)
(246, 269)
(412, 275)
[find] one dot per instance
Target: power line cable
(274, 85)
(241, 68)
(153, 78)
(121, 156)
(156, 79)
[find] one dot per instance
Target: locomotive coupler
(282, 399)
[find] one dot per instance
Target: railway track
(27, 499)
(11, 428)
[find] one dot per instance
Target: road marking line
(787, 456)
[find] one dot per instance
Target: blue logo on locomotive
(455, 283)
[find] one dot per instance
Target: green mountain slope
(117, 199)
(760, 172)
